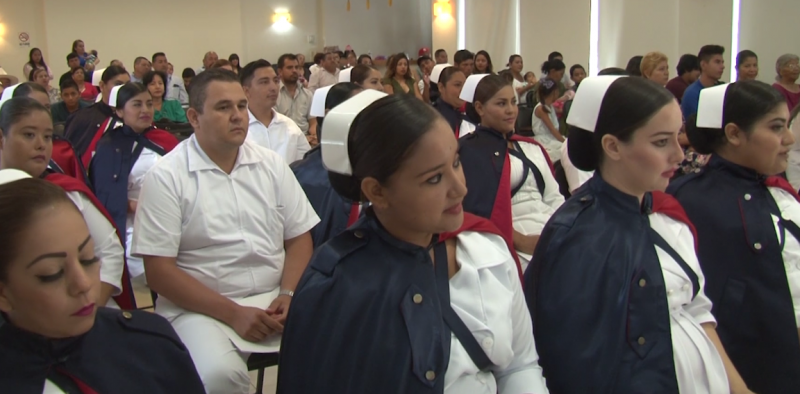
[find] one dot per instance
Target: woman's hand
(132, 205)
(525, 243)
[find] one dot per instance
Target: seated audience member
(267, 127)
(164, 109)
(223, 64)
(335, 212)
(464, 291)
(365, 60)
(425, 65)
(326, 75)
(294, 101)
(483, 63)
(235, 63)
(440, 56)
(366, 77)
(55, 338)
(634, 67)
(187, 74)
(746, 65)
(209, 59)
(70, 102)
(87, 90)
(793, 168)
(565, 79)
(218, 219)
(82, 126)
(36, 60)
(788, 71)
(319, 58)
(545, 120)
(73, 62)
(520, 85)
(688, 72)
(341, 60)
(449, 104)
(350, 58)
(117, 63)
(175, 88)
(26, 89)
(576, 73)
(40, 76)
(712, 65)
(655, 67)
(170, 69)
(399, 77)
(141, 66)
(27, 135)
(464, 60)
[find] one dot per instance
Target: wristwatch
(286, 293)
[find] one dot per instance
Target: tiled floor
(143, 300)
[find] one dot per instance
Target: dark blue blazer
(354, 327)
(597, 329)
(124, 353)
(744, 270)
(333, 210)
(81, 126)
(453, 116)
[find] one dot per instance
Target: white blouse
(486, 293)
(147, 159)
(530, 211)
(698, 364)
(790, 210)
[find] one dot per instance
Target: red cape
(162, 138)
(481, 225)
(125, 300)
(666, 204)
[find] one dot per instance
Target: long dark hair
(392, 69)
(338, 94)
(628, 104)
(381, 137)
(30, 58)
(16, 108)
(746, 102)
(129, 91)
(150, 76)
(489, 67)
(238, 62)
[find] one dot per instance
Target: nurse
(27, 144)
(449, 104)
(748, 239)
(335, 213)
(55, 337)
(119, 158)
(615, 289)
(417, 296)
(509, 177)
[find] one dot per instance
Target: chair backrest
(524, 124)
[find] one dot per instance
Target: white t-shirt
(226, 230)
(282, 136)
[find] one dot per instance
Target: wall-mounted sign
(24, 39)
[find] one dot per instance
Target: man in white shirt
(208, 60)
(268, 128)
(175, 88)
(327, 75)
(220, 219)
(294, 100)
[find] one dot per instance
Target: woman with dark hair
(236, 63)
(634, 67)
(350, 56)
(399, 78)
(39, 76)
(545, 120)
(36, 60)
(746, 65)
(366, 77)
(450, 81)
(509, 177)
(118, 159)
(520, 84)
(615, 271)
(365, 60)
(87, 59)
(483, 63)
(26, 89)
(419, 262)
(27, 145)
(88, 92)
(164, 109)
(335, 213)
(748, 242)
(56, 338)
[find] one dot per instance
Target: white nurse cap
(97, 77)
(12, 175)
(8, 93)
(336, 129)
(587, 102)
(344, 75)
(318, 102)
(710, 107)
(112, 97)
(468, 91)
(437, 72)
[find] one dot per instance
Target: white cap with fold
(7, 94)
(10, 175)
(318, 102)
(97, 77)
(710, 107)
(112, 97)
(587, 102)
(344, 75)
(437, 72)
(468, 90)
(336, 129)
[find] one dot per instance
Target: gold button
(127, 315)
(430, 375)
(747, 197)
(757, 245)
(642, 282)
(641, 341)
(417, 298)
(497, 153)
(359, 234)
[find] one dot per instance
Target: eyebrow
(663, 133)
(430, 170)
(782, 120)
(57, 255)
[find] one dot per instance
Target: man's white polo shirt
(226, 230)
(281, 136)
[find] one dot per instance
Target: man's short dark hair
(553, 55)
(249, 71)
(197, 93)
(462, 56)
(439, 52)
(688, 63)
(157, 55)
(340, 53)
(188, 73)
(574, 68)
(138, 59)
(319, 57)
(708, 51)
(71, 55)
(284, 58)
(67, 84)
(422, 60)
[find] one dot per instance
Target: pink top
(792, 98)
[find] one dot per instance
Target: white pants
(221, 366)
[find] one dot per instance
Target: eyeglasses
(793, 66)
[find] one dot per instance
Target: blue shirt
(691, 98)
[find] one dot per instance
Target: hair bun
(581, 149)
(346, 186)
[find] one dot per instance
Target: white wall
(491, 26)
(18, 16)
(541, 33)
(262, 39)
(770, 29)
